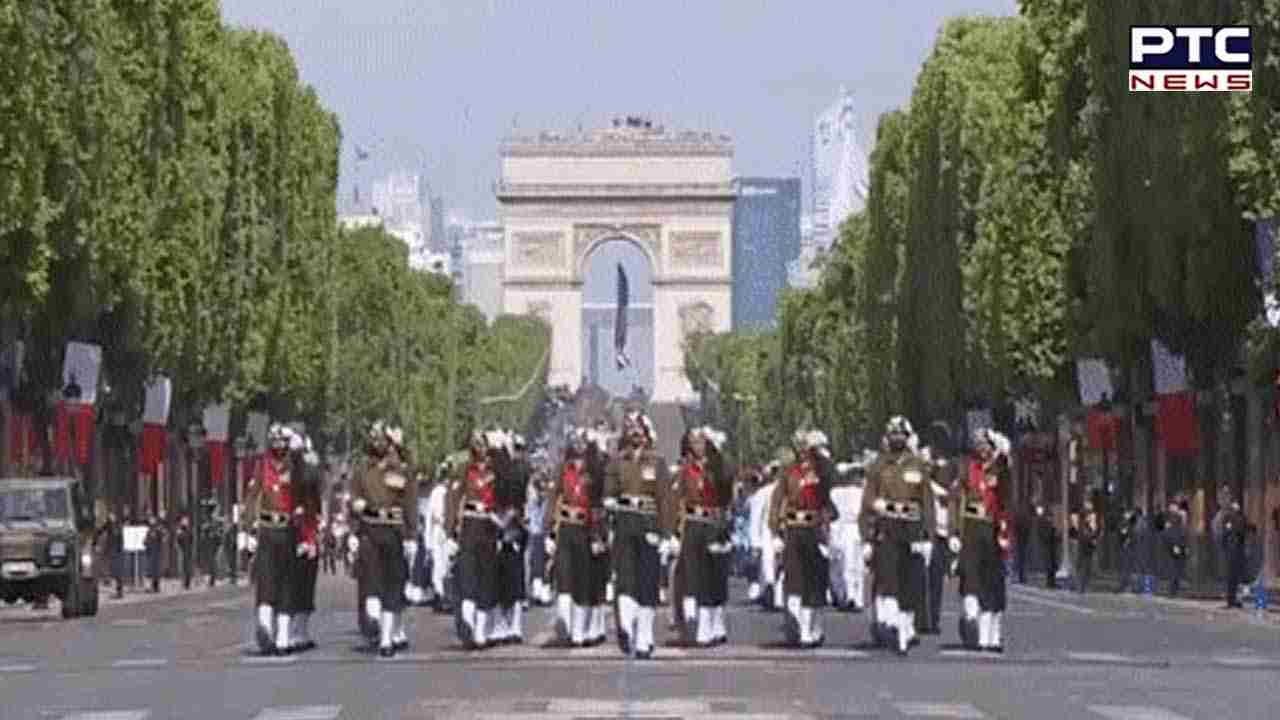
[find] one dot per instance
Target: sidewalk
(169, 588)
(1200, 598)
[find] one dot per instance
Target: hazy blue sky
(434, 85)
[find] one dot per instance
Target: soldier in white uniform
(761, 587)
(436, 534)
(846, 539)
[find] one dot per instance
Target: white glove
(879, 505)
(307, 549)
(1003, 543)
(359, 504)
(719, 548)
(824, 550)
(451, 547)
(598, 547)
(866, 553)
(252, 544)
(953, 544)
(353, 544)
(778, 545)
(920, 547)
(410, 549)
(671, 548)
(652, 538)
(550, 546)
(610, 504)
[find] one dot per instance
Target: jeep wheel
(88, 597)
(71, 591)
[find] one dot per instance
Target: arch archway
(600, 288)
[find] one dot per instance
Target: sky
(433, 86)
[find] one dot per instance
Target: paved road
(1068, 656)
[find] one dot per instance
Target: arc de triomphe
(562, 197)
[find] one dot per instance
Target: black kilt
(636, 561)
(307, 570)
(511, 579)
(899, 573)
(981, 567)
(577, 571)
(275, 567)
(478, 563)
(807, 572)
(706, 575)
(383, 565)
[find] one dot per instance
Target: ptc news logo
(1190, 58)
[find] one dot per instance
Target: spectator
(1233, 547)
(1175, 545)
(111, 540)
(1085, 531)
(1049, 539)
(183, 540)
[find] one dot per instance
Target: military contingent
(602, 528)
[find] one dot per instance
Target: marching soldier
(574, 537)
(704, 490)
(436, 533)
(512, 495)
(761, 588)
(473, 522)
(801, 514)
(848, 568)
(939, 558)
(602, 563)
(981, 532)
(898, 516)
(271, 498)
(386, 499)
(633, 492)
(307, 513)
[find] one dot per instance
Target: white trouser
(628, 613)
(373, 609)
(439, 562)
(477, 621)
(564, 617)
(282, 631)
(501, 623)
(643, 641)
(266, 618)
(989, 629)
(846, 543)
(711, 625)
(768, 566)
(301, 634)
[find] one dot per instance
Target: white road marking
(1135, 712)
(1036, 600)
(129, 623)
(1100, 657)
(1246, 661)
(140, 663)
(312, 712)
(110, 715)
(943, 710)
(17, 668)
(271, 660)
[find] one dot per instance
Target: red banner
(22, 439)
(1177, 425)
(66, 417)
(217, 462)
(1104, 429)
(154, 439)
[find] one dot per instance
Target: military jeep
(46, 544)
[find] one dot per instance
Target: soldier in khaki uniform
(634, 483)
(386, 499)
(704, 491)
(981, 529)
(472, 519)
(271, 498)
(898, 517)
(801, 514)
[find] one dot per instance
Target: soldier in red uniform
(282, 537)
(981, 537)
(704, 491)
(306, 511)
(801, 512)
(575, 538)
(471, 516)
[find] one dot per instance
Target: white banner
(1094, 380)
(135, 538)
(82, 364)
(217, 422)
(159, 395)
(256, 430)
(1170, 370)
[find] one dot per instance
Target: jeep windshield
(33, 505)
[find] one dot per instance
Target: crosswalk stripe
(1037, 600)
(270, 660)
(1101, 657)
(109, 715)
(311, 712)
(1245, 661)
(139, 662)
(1135, 712)
(16, 668)
(942, 710)
(127, 622)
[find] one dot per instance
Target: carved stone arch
(586, 238)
